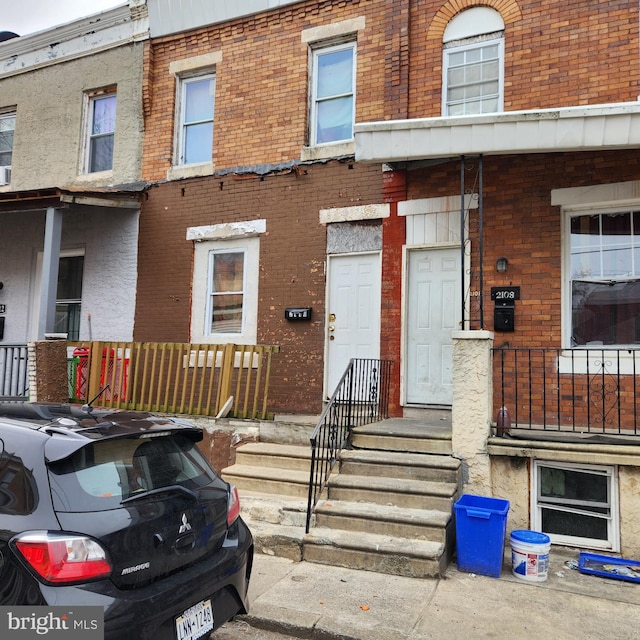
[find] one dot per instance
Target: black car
(120, 510)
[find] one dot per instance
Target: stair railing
(361, 397)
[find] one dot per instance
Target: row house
(453, 186)
(71, 130)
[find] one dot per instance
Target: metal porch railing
(361, 397)
(572, 390)
(14, 371)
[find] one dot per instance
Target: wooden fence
(195, 379)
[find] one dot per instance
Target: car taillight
(63, 558)
(233, 508)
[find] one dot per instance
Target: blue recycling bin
(481, 525)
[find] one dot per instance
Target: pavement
(321, 602)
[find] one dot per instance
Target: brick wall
(521, 224)
(292, 261)
(558, 53)
(261, 92)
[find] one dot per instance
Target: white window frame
(464, 46)
(90, 137)
(613, 519)
(5, 116)
(568, 213)
(212, 295)
(181, 125)
(200, 309)
(317, 50)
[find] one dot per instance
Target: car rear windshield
(101, 475)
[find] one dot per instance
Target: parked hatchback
(120, 510)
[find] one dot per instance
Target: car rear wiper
(151, 493)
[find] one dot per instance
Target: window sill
(324, 151)
(96, 176)
(179, 172)
(598, 360)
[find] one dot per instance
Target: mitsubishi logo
(185, 526)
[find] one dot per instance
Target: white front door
(353, 313)
(433, 313)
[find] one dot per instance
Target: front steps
(387, 506)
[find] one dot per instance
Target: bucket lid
(530, 537)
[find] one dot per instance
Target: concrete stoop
(387, 507)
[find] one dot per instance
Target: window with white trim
(604, 277)
(333, 94)
(196, 112)
(473, 63)
(7, 129)
(101, 132)
(576, 504)
(225, 289)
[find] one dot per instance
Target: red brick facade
(557, 54)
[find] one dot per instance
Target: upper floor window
(7, 128)
(604, 283)
(101, 132)
(333, 94)
(196, 108)
(473, 65)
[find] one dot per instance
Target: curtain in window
(334, 96)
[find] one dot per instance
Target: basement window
(576, 504)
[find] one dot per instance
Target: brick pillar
(48, 371)
(394, 190)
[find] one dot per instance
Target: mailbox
(297, 313)
(504, 312)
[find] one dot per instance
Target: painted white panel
(353, 312)
(432, 314)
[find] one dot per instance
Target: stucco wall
(109, 240)
(49, 132)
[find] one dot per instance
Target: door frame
(325, 380)
(404, 309)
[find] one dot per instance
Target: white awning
(596, 127)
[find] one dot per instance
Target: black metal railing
(361, 397)
(574, 390)
(14, 371)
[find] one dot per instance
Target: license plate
(195, 622)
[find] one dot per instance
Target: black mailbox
(297, 313)
(504, 312)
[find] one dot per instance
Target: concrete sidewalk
(316, 601)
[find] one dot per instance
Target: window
(226, 292)
(576, 504)
(69, 296)
(605, 278)
(333, 94)
(473, 63)
(7, 128)
(195, 136)
(226, 274)
(102, 125)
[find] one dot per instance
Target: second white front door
(432, 314)
(353, 313)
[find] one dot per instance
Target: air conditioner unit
(5, 175)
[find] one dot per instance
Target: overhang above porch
(593, 127)
(124, 196)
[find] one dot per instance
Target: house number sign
(505, 295)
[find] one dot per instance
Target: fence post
(226, 374)
(48, 380)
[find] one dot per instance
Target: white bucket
(530, 555)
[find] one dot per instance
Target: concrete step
(283, 541)
(399, 492)
(399, 442)
(372, 552)
(416, 466)
(267, 454)
(256, 479)
(273, 508)
(416, 524)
